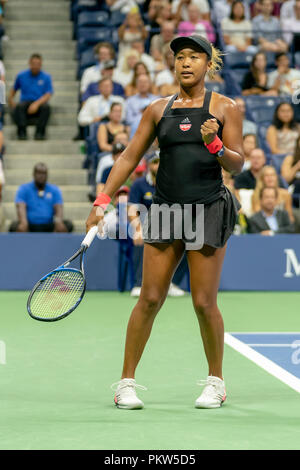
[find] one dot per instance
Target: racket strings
(57, 294)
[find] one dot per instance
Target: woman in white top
(237, 31)
(132, 29)
(284, 131)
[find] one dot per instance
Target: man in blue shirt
(36, 90)
(40, 205)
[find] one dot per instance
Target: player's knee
(151, 301)
(204, 305)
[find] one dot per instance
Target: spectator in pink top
(196, 25)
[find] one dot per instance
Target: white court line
(263, 362)
(273, 345)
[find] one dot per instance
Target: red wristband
(215, 146)
(102, 200)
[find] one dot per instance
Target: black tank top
(187, 172)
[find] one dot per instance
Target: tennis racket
(58, 293)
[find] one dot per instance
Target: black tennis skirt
(196, 225)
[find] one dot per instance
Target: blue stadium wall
(252, 262)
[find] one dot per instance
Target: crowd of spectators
(128, 74)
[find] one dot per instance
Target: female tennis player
(199, 132)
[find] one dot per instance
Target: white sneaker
(125, 396)
(175, 291)
(135, 292)
(214, 393)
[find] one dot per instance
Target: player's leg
(159, 265)
(205, 272)
(160, 262)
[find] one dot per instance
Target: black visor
(195, 42)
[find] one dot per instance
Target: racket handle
(90, 236)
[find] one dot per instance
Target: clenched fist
(209, 130)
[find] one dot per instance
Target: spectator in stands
(124, 6)
(268, 178)
(117, 149)
(287, 10)
(136, 104)
(249, 127)
(247, 179)
(291, 26)
(290, 171)
(2, 30)
(167, 33)
(36, 90)
(269, 220)
(222, 9)
(132, 29)
(164, 13)
(141, 193)
(249, 144)
(107, 160)
(139, 69)
(256, 79)
(166, 76)
(282, 135)
(181, 8)
(283, 79)
(2, 182)
(237, 30)
(105, 53)
(196, 24)
(108, 130)
(267, 29)
(139, 46)
(40, 205)
(96, 108)
(108, 71)
(125, 72)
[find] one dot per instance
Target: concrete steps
(72, 210)
(58, 177)
(54, 162)
(43, 26)
(46, 147)
(44, 31)
(53, 132)
(71, 193)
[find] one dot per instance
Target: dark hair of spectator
(108, 45)
(105, 79)
(280, 54)
(231, 16)
(261, 192)
(115, 104)
(297, 151)
(278, 123)
(36, 56)
(250, 135)
(146, 72)
(253, 68)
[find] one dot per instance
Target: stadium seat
(96, 18)
(297, 60)
(215, 86)
(87, 59)
(238, 60)
(262, 108)
(91, 36)
(238, 75)
(262, 142)
(116, 19)
(277, 160)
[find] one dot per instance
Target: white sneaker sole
(209, 407)
(129, 407)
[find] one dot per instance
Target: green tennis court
(55, 386)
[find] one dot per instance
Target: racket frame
(63, 267)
